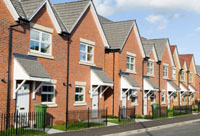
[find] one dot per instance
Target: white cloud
(163, 24)
(198, 29)
(154, 18)
(156, 5)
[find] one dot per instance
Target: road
(187, 130)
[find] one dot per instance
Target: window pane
(44, 98)
(34, 45)
(127, 59)
(35, 35)
(127, 66)
(82, 56)
(131, 68)
(45, 37)
(50, 98)
(45, 48)
(89, 57)
(132, 60)
(45, 89)
(83, 47)
(79, 90)
(90, 49)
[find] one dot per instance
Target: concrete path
(140, 126)
(52, 131)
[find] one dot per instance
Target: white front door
(124, 106)
(168, 98)
(22, 104)
(95, 105)
(145, 104)
(23, 99)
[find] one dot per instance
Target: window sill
(134, 104)
(153, 103)
(132, 72)
(80, 104)
(40, 55)
(50, 105)
(150, 75)
(167, 78)
(86, 63)
(163, 103)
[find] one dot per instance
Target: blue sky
(178, 20)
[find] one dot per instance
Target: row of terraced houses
(49, 52)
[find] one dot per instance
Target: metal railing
(23, 123)
(159, 112)
(182, 110)
(126, 114)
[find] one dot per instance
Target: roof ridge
(120, 21)
(71, 2)
(159, 39)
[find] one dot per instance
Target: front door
(145, 103)
(168, 98)
(22, 104)
(95, 105)
(124, 106)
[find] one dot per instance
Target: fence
(126, 114)
(86, 118)
(182, 110)
(23, 123)
(159, 111)
(196, 108)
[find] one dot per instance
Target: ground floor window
(79, 94)
(152, 97)
(134, 100)
(163, 96)
(175, 97)
(48, 94)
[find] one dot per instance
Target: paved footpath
(128, 127)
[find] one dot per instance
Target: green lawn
(77, 126)
(22, 132)
(121, 122)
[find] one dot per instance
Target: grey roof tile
(102, 75)
(130, 80)
(117, 32)
(70, 12)
(173, 85)
(151, 82)
(160, 45)
(104, 20)
(148, 48)
(18, 7)
(31, 66)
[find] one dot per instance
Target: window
(152, 97)
(79, 94)
(48, 94)
(163, 97)
(40, 42)
(165, 71)
(130, 64)
(174, 73)
(191, 77)
(175, 97)
(86, 53)
(150, 66)
(182, 76)
(134, 99)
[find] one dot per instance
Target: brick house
(190, 78)
(39, 56)
(197, 84)
(123, 64)
(164, 67)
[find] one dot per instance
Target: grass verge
(121, 122)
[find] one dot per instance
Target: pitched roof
(160, 45)
(198, 69)
(32, 67)
(173, 85)
(130, 80)
(70, 12)
(102, 75)
(117, 32)
(147, 47)
(187, 58)
(151, 82)
(25, 8)
(104, 20)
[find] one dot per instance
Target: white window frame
(79, 102)
(50, 93)
(174, 73)
(40, 41)
(191, 77)
(130, 63)
(163, 101)
(167, 66)
(86, 52)
(150, 68)
(154, 100)
(182, 76)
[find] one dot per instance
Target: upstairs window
(182, 76)
(130, 63)
(86, 53)
(191, 77)
(150, 68)
(40, 42)
(165, 71)
(174, 73)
